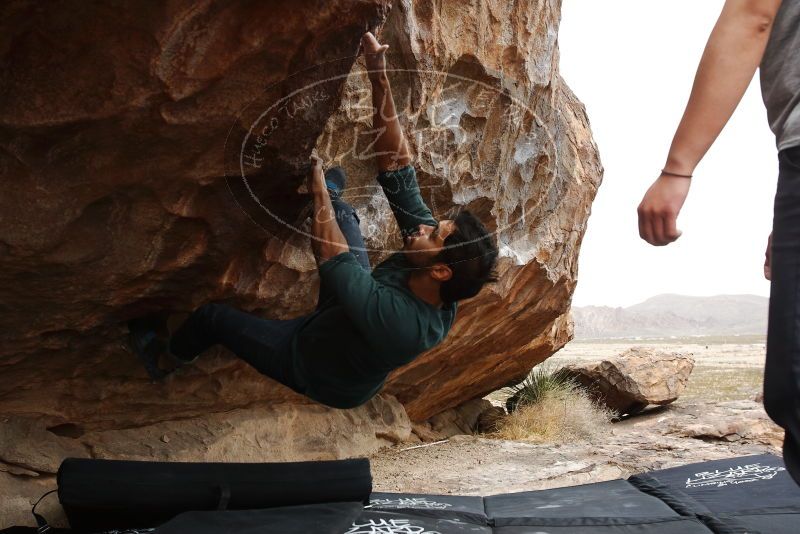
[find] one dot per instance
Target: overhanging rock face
(118, 127)
(113, 132)
(494, 128)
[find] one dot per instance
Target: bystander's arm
(732, 55)
(730, 60)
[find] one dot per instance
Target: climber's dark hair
(471, 253)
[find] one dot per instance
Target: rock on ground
(635, 379)
(471, 417)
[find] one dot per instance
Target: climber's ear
(441, 272)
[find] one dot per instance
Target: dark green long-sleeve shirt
(368, 324)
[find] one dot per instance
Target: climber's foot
(173, 322)
(178, 362)
(148, 347)
(335, 181)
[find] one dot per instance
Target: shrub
(540, 380)
(550, 407)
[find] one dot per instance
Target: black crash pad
(752, 494)
(745, 494)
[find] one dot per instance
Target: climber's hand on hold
(374, 56)
(316, 178)
(659, 209)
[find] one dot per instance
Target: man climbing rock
(366, 323)
(749, 34)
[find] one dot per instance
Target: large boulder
(113, 130)
(635, 379)
(494, 128)
(117, 200)
(142, 171)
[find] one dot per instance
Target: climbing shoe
(335, 181)
(145, 343)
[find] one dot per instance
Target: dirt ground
(717, 408)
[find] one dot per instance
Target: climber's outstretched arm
(390, 148)
(327, 238)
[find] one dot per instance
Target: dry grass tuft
(558, 414)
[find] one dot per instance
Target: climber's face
(425, 244)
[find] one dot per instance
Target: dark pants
(263, 343)
(782, 373)
(348, 223)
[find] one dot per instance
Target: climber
(749, 34)
(367, 322)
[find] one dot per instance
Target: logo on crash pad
(388, 526)
(409, 502)
(734, 475)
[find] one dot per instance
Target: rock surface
(113, 129)
(31, 451)
(120, 159)
(112, 143)
(728, 421)
(635, 379)
(468, 418)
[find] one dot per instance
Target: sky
(632, 63)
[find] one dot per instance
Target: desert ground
(716, 417)
(726, 369)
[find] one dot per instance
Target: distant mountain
(674, 315)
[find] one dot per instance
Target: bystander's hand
(659, 209)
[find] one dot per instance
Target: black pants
(348, 221)
(782, 373)
(263, 343)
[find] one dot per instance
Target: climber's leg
(263, 343)
(348, 224)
